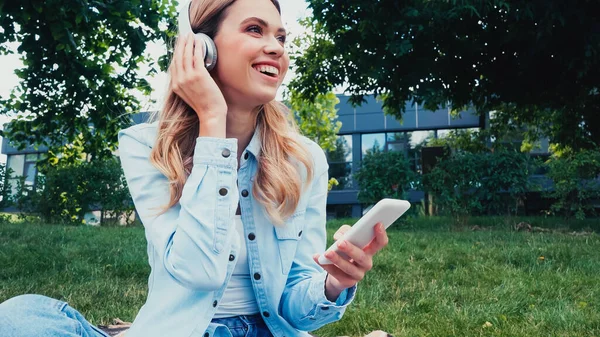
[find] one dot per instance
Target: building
(366, 126)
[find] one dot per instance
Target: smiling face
(252, 60)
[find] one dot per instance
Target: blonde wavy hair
(278, 184)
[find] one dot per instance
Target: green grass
(432, 280)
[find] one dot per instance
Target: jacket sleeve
(303, 303)
(191, 239)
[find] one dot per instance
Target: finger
(178, 54)
(358, 256)
(381, 240)
(199, 53)
(188, 61)
(174, 61)
(349, 268)
(341, 231)
(332, 269)
(174, 75)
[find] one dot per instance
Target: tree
(80, 68)
(534, 62)
(317, 120)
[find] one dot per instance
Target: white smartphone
(385, 211)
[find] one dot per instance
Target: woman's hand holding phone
(192, 82)
(342, 273)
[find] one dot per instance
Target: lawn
(432, 280)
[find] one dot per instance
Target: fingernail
(342, 244)
(328, 254)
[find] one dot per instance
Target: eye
(254, 29)
(281, 38)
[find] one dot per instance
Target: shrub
(5, 188)
(480, 183)
(576, 178)
(384, 174)
(66, 193)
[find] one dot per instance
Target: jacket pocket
(287, 240)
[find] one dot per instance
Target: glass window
(397, 147)
(340, 162)
(16, 162)
(371, 141)
(419, 138)
(343, 150)
(416, 141)
(30, 173)
(343, 173)
(542, 146)
(443, 133)
(31, 157)
(396, 142)
(396, 136)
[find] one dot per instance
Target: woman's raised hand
(191, 81)
(344, 274)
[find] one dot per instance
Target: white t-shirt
(238, 299)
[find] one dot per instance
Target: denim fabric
(192, 246)
(40, 316)
(245, 326)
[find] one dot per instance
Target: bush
(480, 183)
(66, 193)
(576, 178)
(5, 187)
(384, 174)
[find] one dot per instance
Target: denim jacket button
(246, 155)
(245, 193)
(223, 192)
(231, 257)
(206, 334)
(251, 236)
(257, 276)
(226, 153)
(300, 234)
(266, 314)
(214, 304)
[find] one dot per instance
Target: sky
(292, 10)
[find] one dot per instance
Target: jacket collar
(255, 144)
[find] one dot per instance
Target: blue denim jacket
(192, 247)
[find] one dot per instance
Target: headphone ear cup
(185, 27)
(210, 58)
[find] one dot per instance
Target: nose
(274, 47)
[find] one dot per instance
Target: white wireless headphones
(185, 27)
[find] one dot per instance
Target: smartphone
(385, 211)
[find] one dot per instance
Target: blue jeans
(41, 316)
(245, 326)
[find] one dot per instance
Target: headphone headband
(185, 26)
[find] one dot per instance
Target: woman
(231, 197)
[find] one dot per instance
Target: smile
(267, 70)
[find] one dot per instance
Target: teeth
(267, 69)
